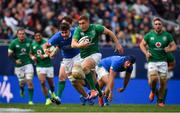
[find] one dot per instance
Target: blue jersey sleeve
(54, 40)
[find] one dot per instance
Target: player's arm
(125, 83)
(171, 47)
(49, 50)
(143, 47)
(75, 44)
(119, 48)
(112, 75)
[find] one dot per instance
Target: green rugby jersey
(93, 33)
(156, 44)
(21, 51)
(37, 50)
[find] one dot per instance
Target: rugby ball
(84, 39)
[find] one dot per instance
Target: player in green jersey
(44, 67)
(89, 49)
(159, 43)
(19, 49)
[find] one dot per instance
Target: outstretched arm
(111, 83)
(119, 48)
(126, 81)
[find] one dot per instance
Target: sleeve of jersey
(99, 28)
(129, 70)
(76, 34)
(170, 37)
(53, 40)
(146, 37)
(114, 66)
(11, 48)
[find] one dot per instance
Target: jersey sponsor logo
(28, 44)
(152, 38)
(164, 38)
(34, 47)
(158, 44)
(82, 33)
(17, 46)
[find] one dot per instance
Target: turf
(94, 108)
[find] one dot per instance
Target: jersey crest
(158, 44)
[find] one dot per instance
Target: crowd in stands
(129, 19)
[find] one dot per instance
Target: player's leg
(163, 69)
(42, 78)
(21, 78)
(50, 79)
(88, 64)
(152, 79)
(62, 80)
(102, 80)
(29, 74)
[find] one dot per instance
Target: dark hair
(156, 18)
(68, 19)
(84, 17)
(20, 29)
(64, 27)
(132, 59)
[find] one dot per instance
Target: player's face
(127, 64)
(21, 35)
(37, 37)
(65, 34)
(158, 26)
(84, 25)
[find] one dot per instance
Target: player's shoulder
(14, 41)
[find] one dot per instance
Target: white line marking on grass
(14, 110)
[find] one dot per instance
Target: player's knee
(43, 84)
(29, 76)
(153, 76)
(77, 72)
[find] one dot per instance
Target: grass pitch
(5, 108)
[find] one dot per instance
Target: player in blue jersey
(108, 68)
(62, 40)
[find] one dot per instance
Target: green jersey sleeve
(146, 37)
(99, 28)
(11, 47)
(170, 38)
(76, 35)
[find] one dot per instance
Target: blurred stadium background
(129, 19)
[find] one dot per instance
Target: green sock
(99, 90)
(90, 80)
(46, 96)
(52, 89)
(61, 86)
(30, 93)
(165, 95)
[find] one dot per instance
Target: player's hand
(120, 89)
(119, 48)
(84, 44)
(166, 49)
(47, 51)
(148, 54)
(18, 61)
(42, 56)
(34, 58)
